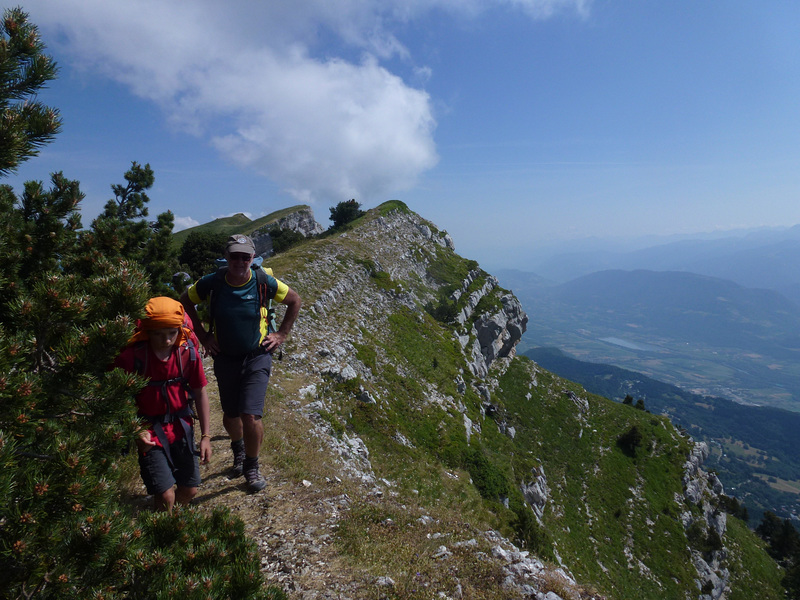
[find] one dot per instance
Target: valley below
(747, 378)
(704, 335)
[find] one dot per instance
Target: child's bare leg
(184, 494)
(165, 500)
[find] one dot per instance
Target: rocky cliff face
(401, 245)
(301, 221)
(419, 429)
(703, 491)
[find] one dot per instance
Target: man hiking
(241, 339)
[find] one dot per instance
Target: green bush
(283, 239)
(529, 534)
(486, 477)
(444, 311)
(629, 441)
(703, 538)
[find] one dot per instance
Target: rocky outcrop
(443, 240)
(498, 333)
(302, 221)
(474, 297)
(263, 244)
(536, 492)
(703, 490)
(492, 335)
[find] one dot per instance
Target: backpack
(262, 285)
(187, 353)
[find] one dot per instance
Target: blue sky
(512, 124)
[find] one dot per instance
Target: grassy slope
(720, 422)
(609, 502)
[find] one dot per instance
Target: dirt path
(292, 522)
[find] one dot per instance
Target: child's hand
(144, 442)
(205, 451)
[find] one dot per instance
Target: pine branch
(33, 455)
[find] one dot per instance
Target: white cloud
(544, 9)
(355, 130)
(182, 223)
(246, 78)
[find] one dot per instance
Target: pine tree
(24, 69)
(345, 212)
(122, 231)
(66, 417)
(630, 441)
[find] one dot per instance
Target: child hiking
(162, 350)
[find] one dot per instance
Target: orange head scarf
(161, 313)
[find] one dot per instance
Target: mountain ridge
(240, 222)
(761, 258)
(445, 465)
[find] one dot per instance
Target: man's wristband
(205, 435)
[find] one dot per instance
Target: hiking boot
(238, 459)
(255, 481)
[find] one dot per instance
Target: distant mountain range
(686, 307)
(762, 258)
(706, 331)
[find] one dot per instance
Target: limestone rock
(302, 221)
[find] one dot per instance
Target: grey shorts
(242, 383)
(156, 473)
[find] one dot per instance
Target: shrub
(629, 441)
(486, 477)
(444, 311)
(283, 239)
